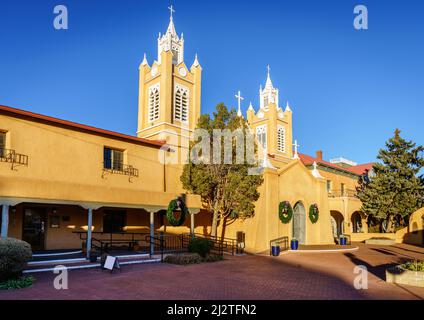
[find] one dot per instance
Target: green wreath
(313, 213)
(285, 212)
(170, 213)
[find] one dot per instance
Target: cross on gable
(239, 97)
(296, 146)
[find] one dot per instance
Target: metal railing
(282, 242)
(11, 156)
(160, 242)
(119, 168)
(227, 245)
(176, 244)
(342, 193)
(106, 241)
(168, 243)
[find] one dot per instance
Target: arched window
(175, 55)
(261, 136)
(281, 139)
(154, 103)
(181, 103)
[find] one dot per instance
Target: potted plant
(343, 240)
(275, 250)
(294, 244)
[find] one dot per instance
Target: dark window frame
(109, 161)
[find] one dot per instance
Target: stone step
(73, 261)
(89, 265)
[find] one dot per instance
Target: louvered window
(261, 135)
(154, 103)
(281, 139)
(181, 101)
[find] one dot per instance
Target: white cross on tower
(239, 98)
(296, 145)
(171, 9)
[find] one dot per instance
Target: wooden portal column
(4, 220)
(152, 233)
(89, 231)
(192, 223)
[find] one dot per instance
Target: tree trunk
(224, 226)
(214, 223)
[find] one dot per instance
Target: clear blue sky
(348, 89)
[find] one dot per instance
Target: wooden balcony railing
(12, 157)
(342, 193)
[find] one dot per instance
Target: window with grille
(154, 103)
(113, 159)
(281, 139)
(181, 103)
(261, 136)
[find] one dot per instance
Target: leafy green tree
(395, 187)
(227, 190)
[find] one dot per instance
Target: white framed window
(281, 139)
(261, 135)
(154, 92)
(181, 103)
(113, 159)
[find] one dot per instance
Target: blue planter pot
(343, 241)
(294, 245)
(275, 251)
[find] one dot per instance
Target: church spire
(269, 94)
(268, 83)
(171, 42)
(171, 27)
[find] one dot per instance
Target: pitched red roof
(77, 126)
(358, 170)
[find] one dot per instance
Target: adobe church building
(58, 178)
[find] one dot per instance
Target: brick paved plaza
(290, 276)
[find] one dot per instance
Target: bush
(414, 265)
(14, 255)
(200, 246)
(20, 283)
(184, 259)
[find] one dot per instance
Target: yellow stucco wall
(68, 164)
(287, 184)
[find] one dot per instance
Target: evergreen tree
(396, 187)
(227, 190)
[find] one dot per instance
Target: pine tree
(227, 190)
(396, 187)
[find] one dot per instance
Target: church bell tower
(272, 124)
(169, 92)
